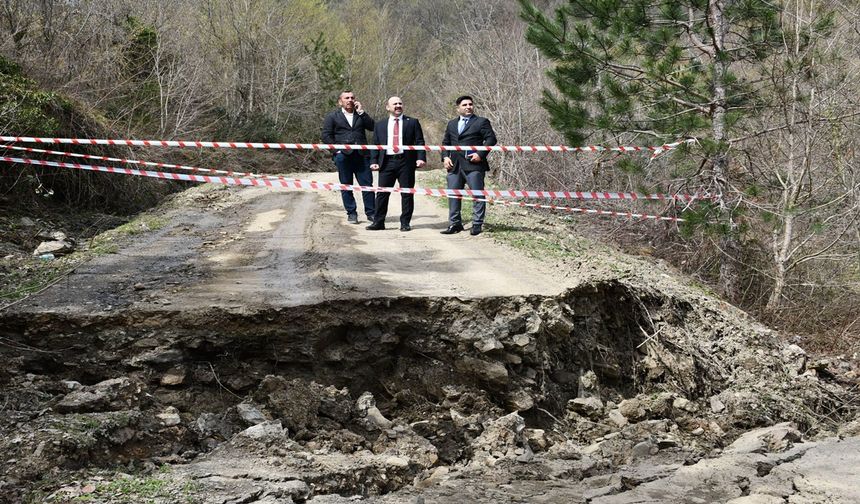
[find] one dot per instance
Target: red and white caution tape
(595, 211)
(497, 193)
(655, 150)
(133, 161)
(301, 184)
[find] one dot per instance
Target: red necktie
(395, 145)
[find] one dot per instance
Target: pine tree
(668, 68)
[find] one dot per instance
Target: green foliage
(633, 66)
(330, 66)
(26, 109)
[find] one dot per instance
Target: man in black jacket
(466, 167)
(394, 163)
(347, 126)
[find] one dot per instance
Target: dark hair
(343, 92)
(464, 97)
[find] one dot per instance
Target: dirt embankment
(263, 350)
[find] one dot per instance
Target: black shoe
(453, 229)
(376, 226)
(476, 230)
(352, 218)
(405, 227)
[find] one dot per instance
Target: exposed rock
(366, 409)
(169, 417)
(521, 400)
(617, 418)
(159, 356)
(296, 402)
(489, 345)
(632, 409)
(109, 395)
(500, 437)
(174, 377)
(537, 440)
(717, 406)
(494, 373)
(590, 407)
(436, 476)
(57, 248)
(770, 439)
(250, 414)
(267, 431)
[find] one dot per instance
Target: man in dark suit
(347, 126)
(466, 167)
(394, 163)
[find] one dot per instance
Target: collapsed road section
(588, 396)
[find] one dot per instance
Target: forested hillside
(769, 91)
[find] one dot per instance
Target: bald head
(394, 106)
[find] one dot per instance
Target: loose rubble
(541, 399)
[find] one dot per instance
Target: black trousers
(396, 168)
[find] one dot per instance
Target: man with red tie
(394, 163)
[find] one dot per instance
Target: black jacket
(336, 129)
(411, 135)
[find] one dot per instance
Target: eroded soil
(258, 348)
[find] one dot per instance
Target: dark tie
(395, 144)
(463, 124)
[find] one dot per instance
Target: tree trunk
(729, 280)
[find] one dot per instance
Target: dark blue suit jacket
(478, 132)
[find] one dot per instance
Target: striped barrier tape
(505, 193)
(595, 211)
(300, 184)
(655, 150)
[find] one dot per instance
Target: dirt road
(250, 248)
(212, 359)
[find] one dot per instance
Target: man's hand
(448, 164)
(374, 167)
(358, 108)
(419, 163)
(474, 158)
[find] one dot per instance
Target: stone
(109, 395)
(588, 381)
(296, 402)
(250, 414)
(366, 408)
(169, 417)
(174, 377)
(717, 406)
(489, 345)
(495, 373)
(681, 403)
(398, 462)
(643, 450)
(499, 435)
(436, 477)
(57, 248)
(536, 439)
(71, 384)
(158, 356)
(617, 418)
(590, 407)
(521, 400)
(632, 409)
(267, 431)
(768, 439)
(521, 340)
